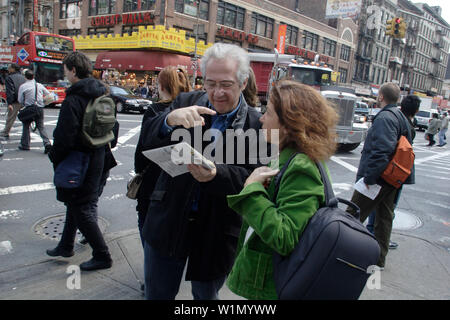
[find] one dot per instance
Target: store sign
(236, 35)
(125, 18)
(6, 54)
(307, 54)
(51, 54)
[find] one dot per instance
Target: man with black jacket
(12, 84)
(379, 148)
(188, 217)
(80, 202)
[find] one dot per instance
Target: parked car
(127, 101)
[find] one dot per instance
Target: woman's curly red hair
(308, 120)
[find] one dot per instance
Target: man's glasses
(213, 85)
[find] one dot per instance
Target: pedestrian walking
(305, 123)
(188, 219)
(433, 128)
(443, 131)
(409, 107)
(171, 81)
(80, 202)
(32, 93)
(379, 148)
(12, 83)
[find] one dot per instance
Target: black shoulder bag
(30, 113)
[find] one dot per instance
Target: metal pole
(9, 22)
(196, 29)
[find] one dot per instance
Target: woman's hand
(201, 174)
(262, 175)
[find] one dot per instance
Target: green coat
(276, 227)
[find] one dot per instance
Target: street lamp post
(196, 31)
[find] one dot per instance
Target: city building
(20, 18)
(252, 24)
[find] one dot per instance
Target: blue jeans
(163, 277)
(442, 136)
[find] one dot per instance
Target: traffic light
(397, 22)
(390, 27)
(402, 29)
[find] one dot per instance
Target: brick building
(252, 24)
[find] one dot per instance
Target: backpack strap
(330, 199)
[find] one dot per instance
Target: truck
(43, 53)
(270, 67)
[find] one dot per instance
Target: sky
(444, 4)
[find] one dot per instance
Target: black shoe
(94, 264)
(393, 245)
(47, 148)
(58, 252)
(22, 148)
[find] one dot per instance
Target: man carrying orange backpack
(379, 149)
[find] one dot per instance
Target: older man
(188, 217)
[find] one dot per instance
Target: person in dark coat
(171, 81)
(80, 202)
(12, 83)
(379, 148)
(188, 219)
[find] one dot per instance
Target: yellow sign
(150, 37)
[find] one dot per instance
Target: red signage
(236, 35)
(306, 54)
(281, 38)
(125, 18)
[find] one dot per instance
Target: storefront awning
(142, 61)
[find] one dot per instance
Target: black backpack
(332, 258)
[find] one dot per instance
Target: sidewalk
(416, 270)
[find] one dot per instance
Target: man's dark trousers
(384, 206)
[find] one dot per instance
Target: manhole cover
(52, 227)
(405, 221)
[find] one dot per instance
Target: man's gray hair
(230, 51)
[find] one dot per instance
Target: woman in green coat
(305, 123)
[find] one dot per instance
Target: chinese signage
(236, 35)
(154, 37)
(307, 54)
(125, 18)
(281, 38)
(342, 8)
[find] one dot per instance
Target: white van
(423, 118)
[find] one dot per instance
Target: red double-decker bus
(43, 53)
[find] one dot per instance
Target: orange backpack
(399, 168)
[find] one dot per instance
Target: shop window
(329, 47)
(189, 7)
(98, 31)
(138, 5)
(69, 9)
(70, 32)
(101, 7)
(343, 75)
(310, 41)
(230, 15)
(291, 35)
(262, 25)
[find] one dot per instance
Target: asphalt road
(28, 201)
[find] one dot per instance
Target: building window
(345, 52)
(343, 75)
(98, 31)
(230, 15)
(310, 41)
(189, 7)
(69, 9)
(70, 32)
(190, 34)
(291, 35)
(129, 30)
(226, 40)
(100, 7)
(329, 47)
(137, 5)
(262, 25)
(253, 48)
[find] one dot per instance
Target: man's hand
(188, 117)
(10, 107)
(201, 174)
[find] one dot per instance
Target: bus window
(53, 43)
(48, 73)
(25, 39)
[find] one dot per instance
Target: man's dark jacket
(211, 240)
(67, 137)
(13, 83)
(380, 144)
